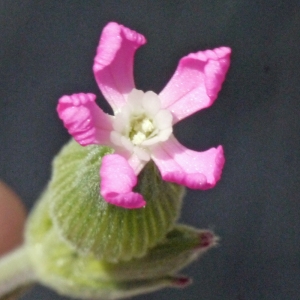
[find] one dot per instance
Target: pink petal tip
(196, 170)
(117, 181)
(113, 64)
(84, 120)
(196, 82)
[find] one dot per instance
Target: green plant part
(83, 247)
(59, 266)
(92, 226)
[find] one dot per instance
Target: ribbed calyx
(69, 273)
(84, 247)
(92, 226)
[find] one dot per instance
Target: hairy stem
(15, 271)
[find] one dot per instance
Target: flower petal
(196, 82)
(196, 170)
(113, 65)
(85, 121)
(117, 181)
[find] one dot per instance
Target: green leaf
(92, 226)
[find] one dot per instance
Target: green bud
(67, 271)
(92, 226)
(179, 248)
(81, 246)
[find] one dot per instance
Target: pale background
(47, 49)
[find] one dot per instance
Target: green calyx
(92, 226)
(64, 269)
(84, 247)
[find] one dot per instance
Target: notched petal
(196, 82)
(113, 64)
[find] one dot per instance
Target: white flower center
(141, 128)
(141, 123)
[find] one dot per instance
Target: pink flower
(141, 128)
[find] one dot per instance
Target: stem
(15, 271)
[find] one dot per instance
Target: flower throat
(141, 128)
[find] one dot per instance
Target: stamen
(141, 128)
(147, 126)
(138, 138)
